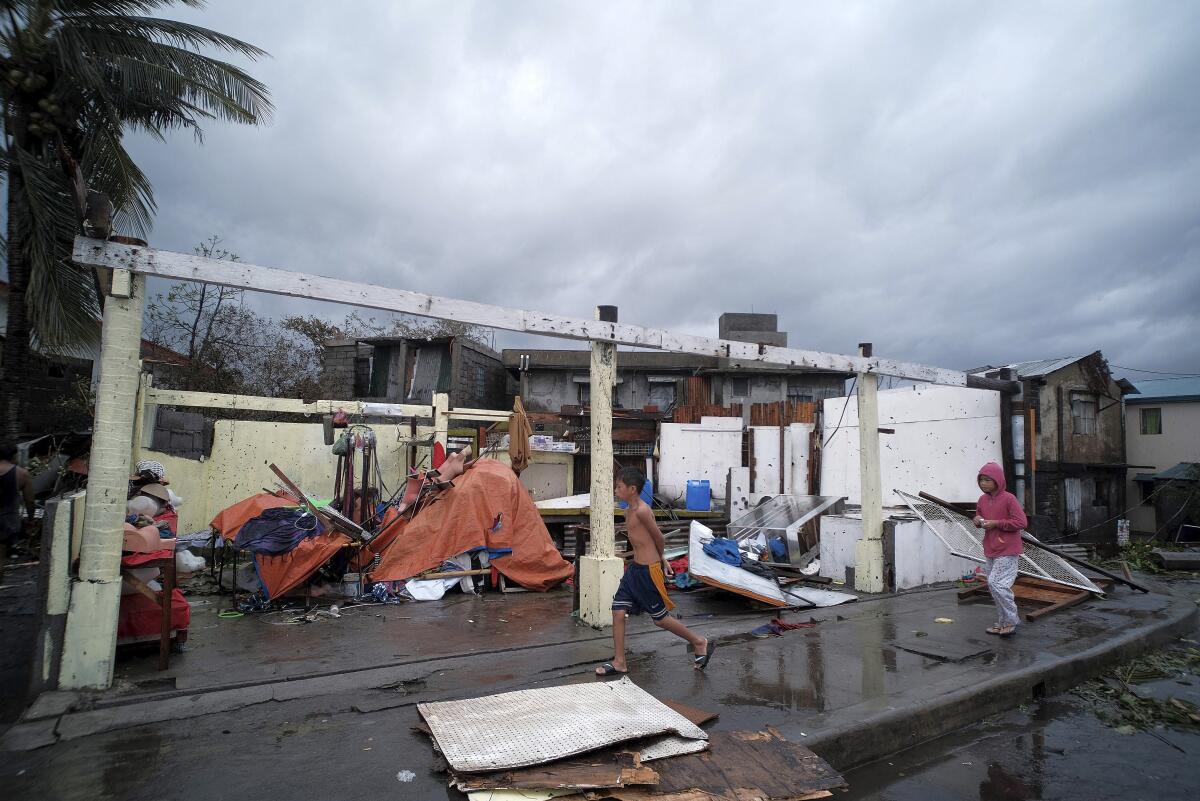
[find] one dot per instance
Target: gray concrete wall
(731, 322)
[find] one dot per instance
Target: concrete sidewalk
(868, 679)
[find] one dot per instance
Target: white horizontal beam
(253, 403)
(190, 267)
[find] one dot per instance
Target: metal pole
(91, 635)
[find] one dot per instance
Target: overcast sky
(960, 183)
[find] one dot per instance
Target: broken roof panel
(1034, 369)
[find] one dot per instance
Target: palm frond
(146, 73)
(63, 308)
(153, 29)
(68, 7)
(108, 168)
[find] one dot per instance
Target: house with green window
(1162, 435)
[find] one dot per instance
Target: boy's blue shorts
(643, 589)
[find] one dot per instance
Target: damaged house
(412, 369)
(1073, 467)
(549, 380)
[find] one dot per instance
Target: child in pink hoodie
(1002, 519)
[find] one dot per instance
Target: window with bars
(1151, 421)
(798, 392)
(1083, 413)
(739, 387)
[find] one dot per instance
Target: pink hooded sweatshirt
(1002, 506)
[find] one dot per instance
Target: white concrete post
(441, 418)
(139, 417)
(868, 552)
(600, 570)
(91, 633)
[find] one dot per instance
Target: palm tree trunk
(15, 376)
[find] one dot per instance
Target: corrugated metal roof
(1172, 390)
(1037, 368)
(1184, 471)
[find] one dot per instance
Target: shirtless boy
(643, 587)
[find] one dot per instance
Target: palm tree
(75, 75)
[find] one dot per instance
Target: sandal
(701, 662)
(993, 630)
(607, 670)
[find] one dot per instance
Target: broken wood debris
(738, 766)
(1049, 596)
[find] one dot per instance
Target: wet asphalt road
(1055, 748)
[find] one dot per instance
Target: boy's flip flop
(607, 669)
(701, 662)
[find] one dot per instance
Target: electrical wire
(1111, 519)
(845, 406)
(1155, 372)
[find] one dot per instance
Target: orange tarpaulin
(229, 522)
(462, 519)
(283, 572)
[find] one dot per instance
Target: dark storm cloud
(960, 183)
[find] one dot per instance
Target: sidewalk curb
(870, 734)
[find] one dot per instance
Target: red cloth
(1004, 507)
(462, 518)
(141, 617)
(135, 559)
(172, 517)
(678, 567)
(283, 572)
(229, 522)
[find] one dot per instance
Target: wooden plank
(190, 267)
(741, 761)
(739, 591)
(486, 415)
(1052, 608)
(607, 768)
(697, 716)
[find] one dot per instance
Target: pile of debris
(613, 740)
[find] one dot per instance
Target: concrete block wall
(187, 435)
(347, 369)
(468, 391)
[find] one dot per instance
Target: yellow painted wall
(242, 451)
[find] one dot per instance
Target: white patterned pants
(1001, 573)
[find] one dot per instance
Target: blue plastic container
(699, 496)
(647, 495)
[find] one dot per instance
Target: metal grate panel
(532, 727)
(958, 533)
